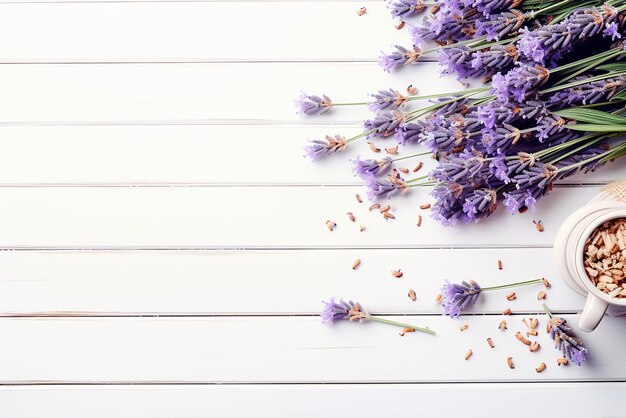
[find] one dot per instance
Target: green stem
(545, 308)
(401, 324)
(411, 156)
(585, 81)
(506, 286)
(361, 135)
(417, 179)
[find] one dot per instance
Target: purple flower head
(404, 9)
(312, 105)
(456, 60)
(611, 31)
(379, 189)
(500, 25)
(457, 106)
(497, 113)
(488, 7)
(448, 207)
(458, 297)
(480, 204)
(530, 46)
(337, 311)
(536, 176)
(409, 132)
(500, 139)
(551, 129)
(588, 93)
(495, 59)
(319, 148)
(579, 157)
(499, 169)
(520, 83)
(446, 26)
(384, 124)
(399, 58)
(462, 170)
(445, 134)
(571, 347)
(367, 168)
(386, 100)
(518, 200)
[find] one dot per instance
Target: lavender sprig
(571, 347)
(353, 311)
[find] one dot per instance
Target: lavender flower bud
(519, 199)
(520, 83)
(448, 207)
(488, 7)
(588, 93)
(495, 59)
(384, 124)
(445, 27)
(500, 25)
(387, 100)
(500, 139)
(368, 168)
(311, 105)
(571, 347)
(409, 132)
(378, 189)
(404, 9)
(538, 175)
(319, 148)
(552, 129)
(458, 297)
(480, 204)
(611, 31)
(463, 170)
(399, 58)
(342, 310)
(456, 60)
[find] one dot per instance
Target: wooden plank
(227, 282)
(249, 217)
(195, 93)
(406, 400)
(148, 155)
(284, 349)
(195, 31)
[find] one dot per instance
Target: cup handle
(592, 313)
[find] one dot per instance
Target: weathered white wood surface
(160, 227)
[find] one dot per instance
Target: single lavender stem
(456, 44)
(426, 184)
(585, 81)
(417, 179)
(361, 135)
(506, 286)
(608, 155)
(545, 308)
(434, 96)
(401, 324)
(532, 13)
(421, 154)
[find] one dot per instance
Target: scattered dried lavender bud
(532, 332)
(388, 215)
(502, 325)
(374, 206)
(411, 89)
(439, 298)
(511, 296)
(541, 295)
(541, 368)
(373, 147)
(361, 11)
(507, 311)
(361, 228)
(418, 167)
(490, 342)
(546, 283)
(509, 362)
(521, 338)
(405, 330)
(412, 295)
(358, 198)
(468, 354)
(499, 264)
(400, 25)
(397, 273)
(425, 206)
(538, 225)
(464, 327)
(562, 361)
(351, 216)
(385, 208)
(533, 323)
(356, 264)
(404, 170)
(419, 220)
(534, 347)
(331, 225)
(392, 150)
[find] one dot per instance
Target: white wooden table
(165, 247)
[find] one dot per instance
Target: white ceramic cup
(569, 248)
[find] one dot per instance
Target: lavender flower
(500, 25)
(387, 100)
(520, 199)
(500, 139)
(480, 204)
(458, 297)
(488, 7)
(571, 347)
(611, 31)
(445, 27)
(587, 93)
(462, 170)
(552, 129)
(319, 148)
(409, 132)
(337, 311)
(520, 83)
(399, 58)
(368, 168)
(456, 60)
(311, 105)
(404, 9)
(495, 59)
(448, 207)
(581, 156)
(384, 124)
(378, 189)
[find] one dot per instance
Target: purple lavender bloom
(319, 148)
(458, 106)
(500, 139)
(456, 60)
(445, 27)
(611, 31)
(520, 83)
(552, 129)
(448, 207)
(378, 189)
(499, 25)
(581, 156)
(488, 7)
(588, 93)
(312, 105)
(495, 59)
(386, 100)
(342, 310)
(480, 204)
(384, 124)
(518, 199)
(461, 169)
(409, 132)
(536, 176)
(367, 168)
(571, 347)
(458, 297)
(404, 9)
(499, 169)
(399, 58)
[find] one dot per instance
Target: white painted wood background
(165, 247)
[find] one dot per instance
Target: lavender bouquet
(550, 105)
